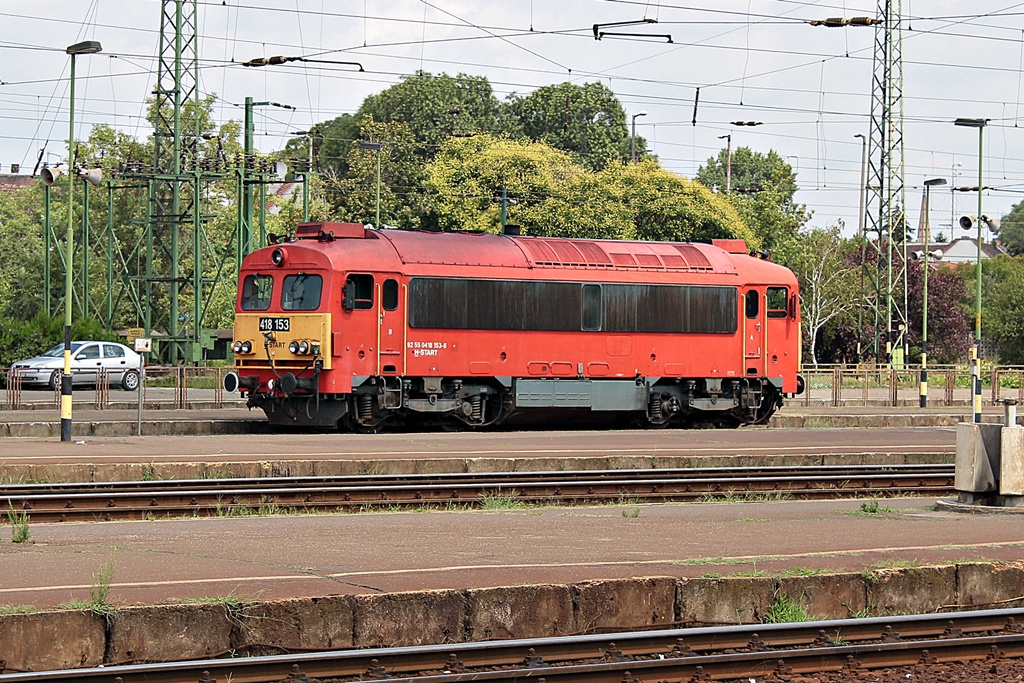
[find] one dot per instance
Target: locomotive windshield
(777, 298)
(301, 292)
(256, 292)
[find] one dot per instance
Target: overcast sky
(753, 60)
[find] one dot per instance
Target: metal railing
(203, 387)
(885, 386)
(174, 387)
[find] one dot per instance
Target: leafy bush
(21, 339)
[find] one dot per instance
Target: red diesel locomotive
(352, 327)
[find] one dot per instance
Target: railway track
(228, 497)
(850, 646)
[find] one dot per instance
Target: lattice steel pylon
(173, 217)
(886, 206)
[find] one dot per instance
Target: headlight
(237, 348)
(277, 256)
(304, 347)
(246, 347)
(293, 348)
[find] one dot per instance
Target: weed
(237, 607)
(872, 507)
(19, 524)
(753, 519)
(100, 587)
(753, 574)
(509, 500)
(803, 571)
(710, 575)
(18, 609)
(785, 610)
(628, 501)
(149, 472)
(634, 514)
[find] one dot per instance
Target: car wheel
(54, 382)
(130, 380)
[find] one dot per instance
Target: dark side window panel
(775, 302)
(463, 304)
(389, 295)
(592, 308)
(301, 292)
(569, 306)
(753, 304)
(256, 292)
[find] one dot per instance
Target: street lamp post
(976, 357)
(632, 137)
(924, 309)
(86, 47)
(376, 147)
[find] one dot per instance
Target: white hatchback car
(88, 358)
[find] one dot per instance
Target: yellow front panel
(314, 328)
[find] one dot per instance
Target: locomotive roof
(484, 249)
(359, 247)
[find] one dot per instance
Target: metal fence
(203, 387)
(163, 387)
(881, 386)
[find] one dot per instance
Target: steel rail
(208, 498)
(455, 477)
(549, 487)
(745, 650)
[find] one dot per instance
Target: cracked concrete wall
(48, 640)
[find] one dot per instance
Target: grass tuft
(785, 610)
(19, 524)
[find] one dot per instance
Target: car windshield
(58, 350)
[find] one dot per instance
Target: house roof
(9, 182)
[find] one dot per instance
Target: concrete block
(541, 611)
(52, 640)
(826, 596)
(169, 632)
(977, 457)
(311, 623)
(413, 618)
(727, 600)
(984, 585)
(624, 603)
(1011, 465)
(911, 591)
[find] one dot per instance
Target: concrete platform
(268, 558)
(104, 458)
(88, 421)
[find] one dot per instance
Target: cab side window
(776, 301)
(358, 292)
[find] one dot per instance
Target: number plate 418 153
(275, 325)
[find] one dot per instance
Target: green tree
(1011, 232)
(828, 280)
(435, 107)
(402, 200)
(1003, 306)
(585, 120)
(469, 174)
(554, 196)
(763, 187)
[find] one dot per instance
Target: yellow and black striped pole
(86, 47)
